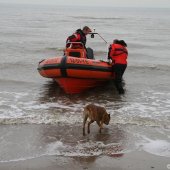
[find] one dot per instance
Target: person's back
(118, 54)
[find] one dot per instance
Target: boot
(119, 88)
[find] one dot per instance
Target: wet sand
(130, 161)
(63, 147)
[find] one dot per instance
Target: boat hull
(77, 85)
(75, 75)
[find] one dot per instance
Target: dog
(95, 113)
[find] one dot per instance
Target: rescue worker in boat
(118, 54)
(80, 36)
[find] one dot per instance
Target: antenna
(93, 33)
(102, 38)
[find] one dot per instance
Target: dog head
(106, 118)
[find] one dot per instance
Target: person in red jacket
(79, 36)
(118, 53)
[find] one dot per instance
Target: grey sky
(119, 3)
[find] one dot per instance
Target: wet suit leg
(119, 70)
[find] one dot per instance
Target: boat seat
(75, 49)
(79, 53)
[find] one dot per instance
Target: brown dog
(95, 113)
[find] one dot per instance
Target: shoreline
(136, 160)
(41, 147)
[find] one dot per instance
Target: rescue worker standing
(118, 54)
(80, 36)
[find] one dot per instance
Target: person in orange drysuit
(118, 53)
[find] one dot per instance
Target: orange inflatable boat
(74, 72)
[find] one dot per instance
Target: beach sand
(56, 147)
(130, 161)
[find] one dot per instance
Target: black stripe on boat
(49, 66)
(88, 67)
(64, 66)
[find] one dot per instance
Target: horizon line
(79, 5)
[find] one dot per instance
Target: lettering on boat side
(78, 61)
(53, 60)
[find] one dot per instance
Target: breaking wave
(149, 109)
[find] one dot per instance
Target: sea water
(35, 112)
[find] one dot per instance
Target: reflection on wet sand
(111, 142)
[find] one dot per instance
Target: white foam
(58, 148)
(157, 147)
(149, 109)
(84, 149)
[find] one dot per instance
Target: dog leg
(84, 123)
(100, 126)
(91, 121)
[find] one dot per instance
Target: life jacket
(118, 54)
(78, 36)
(82, 36)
